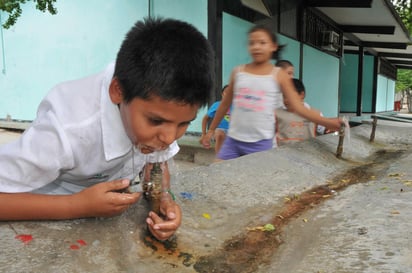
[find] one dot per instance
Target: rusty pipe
(339, 149)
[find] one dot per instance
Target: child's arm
(287, 88)
(205, 120)
(163, 228)
(100, 200)
(220, 112)
(276, 129)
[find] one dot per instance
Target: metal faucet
(152, 186)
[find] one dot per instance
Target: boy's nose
(168, 135)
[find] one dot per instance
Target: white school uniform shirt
(320, 129)
(76, 140)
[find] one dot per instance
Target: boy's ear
(115, 91)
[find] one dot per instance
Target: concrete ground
(296, 209)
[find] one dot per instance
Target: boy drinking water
(91, 136)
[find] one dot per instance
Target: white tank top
(255, 98)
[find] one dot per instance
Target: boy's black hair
(272, 35)
(223, 88)
(167, 58)
(283, 64)
(299, 86)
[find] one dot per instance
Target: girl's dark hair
(167, 58)
(272, 36)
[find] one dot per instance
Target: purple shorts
(233, 148)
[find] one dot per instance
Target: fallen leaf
(305, 220)
(206, 215)
(407, 182)
(269, 227)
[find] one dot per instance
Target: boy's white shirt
(320, 129)
(77, 140)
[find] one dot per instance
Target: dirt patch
(245, 252)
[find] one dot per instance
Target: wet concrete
(329, 215)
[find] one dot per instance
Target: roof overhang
(372, 25)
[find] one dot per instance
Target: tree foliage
(13, 8)
(404, 78)
(404, 9)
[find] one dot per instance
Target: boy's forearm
(29, 206)
(204, 124)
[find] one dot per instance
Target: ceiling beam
(385, 45)
(403, 67)
(395, 55)
(368, 29)
(340, 3)
(378, 44)
(395, 62)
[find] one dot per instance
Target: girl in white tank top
(256, 89)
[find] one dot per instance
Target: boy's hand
(205, 140)
(164, 228)
(102, 200)
(201, 138)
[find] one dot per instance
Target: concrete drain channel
(245, 252)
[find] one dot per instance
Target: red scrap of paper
(82, 242)
(74, 247)
(25, 238)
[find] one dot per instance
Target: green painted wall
(385, 94)
(349, 83)
(194, 12)
(381, 93)
(42, 50)
(390, 106)
(320, 75)
(367, 83)
(290, 52)
(234, 44)
(349, 80)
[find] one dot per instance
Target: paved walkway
(294, 209)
